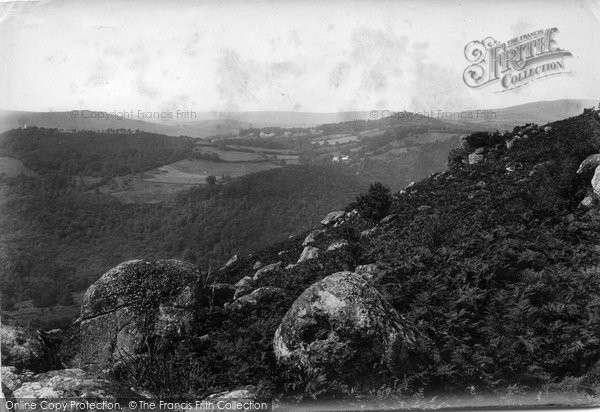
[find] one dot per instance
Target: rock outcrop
(134, 302)
(341, 323)
(71, 383)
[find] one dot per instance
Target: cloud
(244, 80)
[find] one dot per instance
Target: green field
(229, 155)
(162, 183)
(12, 167)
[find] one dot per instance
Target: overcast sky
(277, 55)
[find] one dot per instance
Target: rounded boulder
(342, 328)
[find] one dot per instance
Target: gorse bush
(375, 204)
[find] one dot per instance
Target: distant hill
(229, 123)
(88, 120)
(535, 112)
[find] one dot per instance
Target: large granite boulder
(340, 327)
(137, 302)
(23, 348)
(71, 383)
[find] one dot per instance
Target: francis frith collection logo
(516, 62)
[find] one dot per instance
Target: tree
(376, 203)
(211, 180)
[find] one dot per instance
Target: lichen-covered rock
(135, 301)
(332, 218)
(22, 348)
(273, 267)
(71, 383)
(589, 164)
(340, 327)
(308, 253)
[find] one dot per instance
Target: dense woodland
(63, 239)
(89, 153)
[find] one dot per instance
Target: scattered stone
(424, 208)
(253, 298)
(332, 218)
(353, 213)
(510, 143)
(367, 233)
(308, 253)
(596, 181)
(388, 219)
(312, 237)
(244, 282)
(266, 270)
(338, 244)
(588, 201)
(231, 261)
(290, 266)
(339, 324)
(257, 265)
(475, 158)
(511, 167)
(589, 164)
(547, 129)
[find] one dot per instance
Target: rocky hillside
(481, 282)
